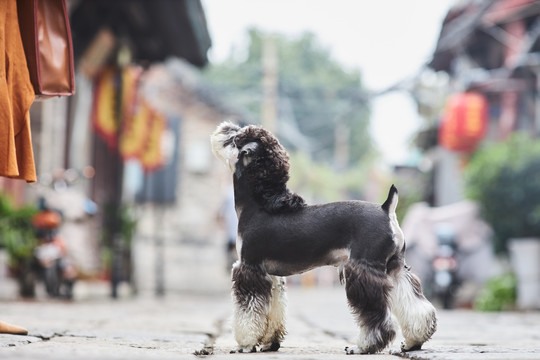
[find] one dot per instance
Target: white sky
(387, 40)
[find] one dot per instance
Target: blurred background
(441, 98)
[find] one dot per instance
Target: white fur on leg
(250, 321)
(247, 325)
(277, 312)
(416, 315)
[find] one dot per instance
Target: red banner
(133, 126)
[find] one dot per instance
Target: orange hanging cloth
(16, 96)
(104, 109)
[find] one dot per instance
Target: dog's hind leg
(251, 291)
(275, 331)
(415, 314)
(368, 291)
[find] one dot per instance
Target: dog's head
(224, 145)
(255, 156)
(251, 150)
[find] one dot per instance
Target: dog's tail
(391, 202)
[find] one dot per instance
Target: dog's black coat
(275, 224)
(288, 238)
(280, 235)
(368, 293)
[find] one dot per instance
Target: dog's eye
(229, 142)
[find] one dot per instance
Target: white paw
(245, 349)
(270, 347)
(351, 350)
(405, 347)
(361, 350)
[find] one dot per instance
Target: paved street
(177, 326)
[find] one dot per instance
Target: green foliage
(121, 220)
(498, 294)
(320, 182)
(120, 224)
(505, 180)
(16, 231)
(315, 93)
(128, 223)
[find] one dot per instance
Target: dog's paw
(274, 346)
(414, 347)
(244, 349)
(351, 350)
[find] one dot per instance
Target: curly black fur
(270, 174)
(250, 283)
(368, 290)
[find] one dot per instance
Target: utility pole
(342, 146)
(269, 111)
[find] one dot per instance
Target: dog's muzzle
(223, 145)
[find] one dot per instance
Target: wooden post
(269, 111)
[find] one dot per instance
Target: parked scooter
(445, 281)
(52, 263)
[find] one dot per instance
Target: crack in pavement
(327, 332)
(47, 337)
(208, 348)
(19, 340)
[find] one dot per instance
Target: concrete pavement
(180, 325)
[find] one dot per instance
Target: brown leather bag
(46, 36)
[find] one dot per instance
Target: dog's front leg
(277, 312)
(251, 291)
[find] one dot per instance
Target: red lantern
(464, 122)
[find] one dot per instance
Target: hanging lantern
(464, 122)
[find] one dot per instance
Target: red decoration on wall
(464, 122)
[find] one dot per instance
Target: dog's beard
(229, 155)
(225, 134)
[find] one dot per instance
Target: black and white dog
(279, 235)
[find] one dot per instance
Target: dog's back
(317, 235)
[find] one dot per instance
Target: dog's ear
(247, 151)
(391, 202)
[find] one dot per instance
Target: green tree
(316, 96)
(504, 178)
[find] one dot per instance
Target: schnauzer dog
(280, 235)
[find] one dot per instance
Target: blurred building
(493, 47)
(489, 48)
(188, 222)
(136, 132)
(488, 58)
